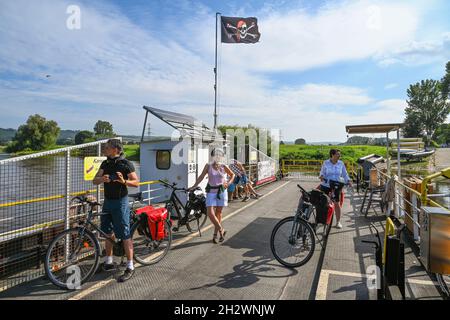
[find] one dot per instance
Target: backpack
(153, 222)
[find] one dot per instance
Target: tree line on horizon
(39, 134)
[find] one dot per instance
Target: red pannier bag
(154, 221)
(330, 212)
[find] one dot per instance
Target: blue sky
(318, 66)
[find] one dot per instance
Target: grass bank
(28, 152)
(132, 152)
(308, 152)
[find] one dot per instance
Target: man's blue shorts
(118, 219)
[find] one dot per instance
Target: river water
(38, 178)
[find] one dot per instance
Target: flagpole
(215, 78)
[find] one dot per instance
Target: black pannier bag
(197, 202)
(320, 201)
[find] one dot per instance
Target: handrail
(55, 151)
(445, 173)
(61, 196)
(58, 221)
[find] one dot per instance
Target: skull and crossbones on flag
(239, 30)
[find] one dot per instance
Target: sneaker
(107, 267)
(126, 275)
(246, 199)
(339, 225)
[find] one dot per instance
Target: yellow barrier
(309, 166)
(424, 190)
(390, 231)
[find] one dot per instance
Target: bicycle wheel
(146, 250)
(197, 220)
(292, 242)
(444, 283)
(72, 259)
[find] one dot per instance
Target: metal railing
(36, 203)
(407, 201)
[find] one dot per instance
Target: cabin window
(163, 159)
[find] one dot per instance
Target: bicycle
(195, 212)
(72, 257)
(293, 239)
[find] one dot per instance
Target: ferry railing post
(99, 153)
(67, 206)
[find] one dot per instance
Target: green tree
(104, 129)
(446, 82)
(427, 108)
(37, 134)
(412, 127)
(442, 134)
(300, 141)
(84, 137)
(223, 129)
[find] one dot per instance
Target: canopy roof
(373, 128)
(186, 125)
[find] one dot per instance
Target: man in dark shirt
(117, 173)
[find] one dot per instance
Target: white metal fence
(36, 203)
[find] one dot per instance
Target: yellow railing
(425, 200)
(390, 231)
(310, 166)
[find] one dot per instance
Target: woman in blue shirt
(334, 169)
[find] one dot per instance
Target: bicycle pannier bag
(323, 209)
(153, 221)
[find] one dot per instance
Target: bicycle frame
(175, 200)
(84, 226)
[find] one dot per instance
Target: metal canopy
(373, 128)
(380, 128)
(186, 125)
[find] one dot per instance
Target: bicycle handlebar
(172, 186)
(85, 199)
(334, 182)
(301, 188)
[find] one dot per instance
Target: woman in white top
(334, 169)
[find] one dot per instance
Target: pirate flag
(239, 30)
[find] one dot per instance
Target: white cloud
(418, 52)
(297, 40)
(111, 67)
